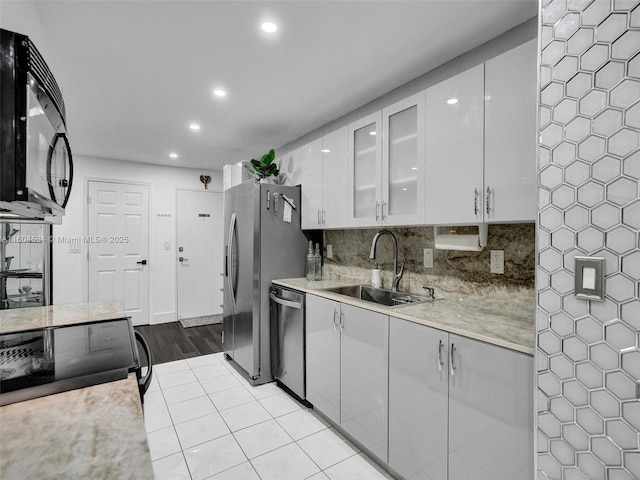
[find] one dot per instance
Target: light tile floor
(204, 421)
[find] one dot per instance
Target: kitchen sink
(380, 296)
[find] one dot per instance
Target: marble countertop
(90, 433)
(499, 318)
(33, 318)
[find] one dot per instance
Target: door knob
(182, 259)
(142, 262)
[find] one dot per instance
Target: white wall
(70, 270)
(23, 17)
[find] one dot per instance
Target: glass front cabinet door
(365, 164)
(403, 162)
(387, 162)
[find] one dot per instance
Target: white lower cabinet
(323, 355)
(458, 408)
(418, 401)
(364, 377)
(347, 369)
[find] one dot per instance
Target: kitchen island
(95, 432)
(505, 320)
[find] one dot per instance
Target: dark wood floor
(170, 341)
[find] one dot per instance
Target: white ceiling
(135, 74)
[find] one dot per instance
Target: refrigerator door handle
(230, 246)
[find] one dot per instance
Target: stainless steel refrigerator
(260, 245)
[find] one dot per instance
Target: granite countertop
(33, 318)
(95, 432)
(506, 320)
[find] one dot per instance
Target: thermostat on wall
(589, 280)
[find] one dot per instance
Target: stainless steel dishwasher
(288, 339)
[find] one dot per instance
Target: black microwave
(36, 166)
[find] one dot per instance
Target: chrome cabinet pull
(319, 217)
(335, 323)
(341, 321)
(383, 205)
(487, 200)
(377, 209)
(475, 201)
(453, 362)
(323, 216)
(440, 362)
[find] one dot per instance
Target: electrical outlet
(428, 257)
(329, 251)
(497, 261)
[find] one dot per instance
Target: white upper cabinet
(386, 159)
(289, 163)
(335, 179)
(454, 144)
(365, 165)
(310, 175)
(510, 135)
(324, 177)
(481, 142)
(403, 166)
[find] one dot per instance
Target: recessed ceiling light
(452, 101)
(269, 27)
(372, 133)
(414, 168)
(173, 155)
(218, 92)
(325, 150)
(194, 127)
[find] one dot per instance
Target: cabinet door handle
(377, 209)
(475, 201)
(452, 364)
(319, 217)
(440, 362)
(323, 216)
(488, 194)
(341, 321)
(335, 323)
(383, 205)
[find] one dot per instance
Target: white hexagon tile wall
(588, 357)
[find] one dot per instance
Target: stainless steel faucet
(397, 276)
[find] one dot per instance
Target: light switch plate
(589, 279)
(428, 257)
(497, 261)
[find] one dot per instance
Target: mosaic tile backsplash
(454, 271)
(588, 361)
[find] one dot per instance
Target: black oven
(35, 157)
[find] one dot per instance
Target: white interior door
(119, 246)
(199, 227)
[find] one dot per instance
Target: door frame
(85, 228)
(175, 233)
